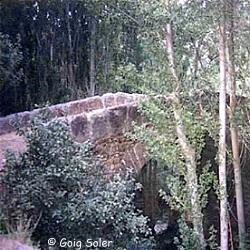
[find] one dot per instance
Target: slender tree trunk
(238, 184)
(191, 178)
(106, 61)
(187, 149)
(222, 137)
(92, 71)
(233, 127)
(171, 57)
(51, 46)
(71, 76)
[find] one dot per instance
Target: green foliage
(187, 240)
(2, 223)
(11, 73)
(194, 55)
(187, 237)
(64, 185)
(207, 180)
(130, 55)
(128, 78)
(159, 136)
(55, 38)
(177, 197)
(212, 241)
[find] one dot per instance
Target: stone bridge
(104, 120)
(100, 119)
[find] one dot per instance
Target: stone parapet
(86, 105)
(95, 118)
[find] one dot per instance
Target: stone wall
(100, 119)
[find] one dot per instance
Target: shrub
(64, 184)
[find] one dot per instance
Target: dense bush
(63, 184)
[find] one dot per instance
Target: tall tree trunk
(70, 75)
(92, 71)
(233, 126)
(222, 136)
(187, 149)
(51, 46)
(106, 60)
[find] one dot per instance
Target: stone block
(100, 126)
(109, 100)
(59, 110)
(117, 119)
(80, 128)
(94, 103)
(123, 98)
(83, 106)
(74, 108)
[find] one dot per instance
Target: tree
(233, 126)
(70, 49)
(92, 68)
(187, 150)
(222, 134)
